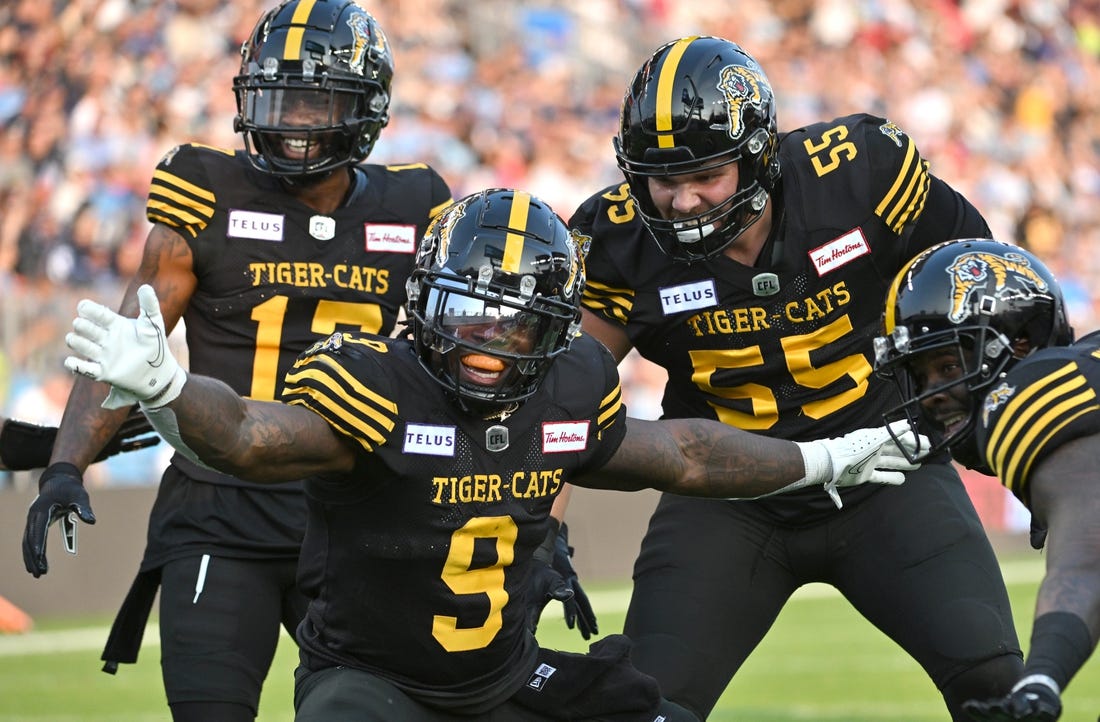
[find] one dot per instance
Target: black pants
(219, 626)
(601, 686)
(712, 577)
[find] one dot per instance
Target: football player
(751, 265)
(977, 339)
(260, 252)
(25, 446)
(432, 463)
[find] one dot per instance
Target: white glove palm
(861, 456)
(131, 354)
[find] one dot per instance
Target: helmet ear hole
(306, 117)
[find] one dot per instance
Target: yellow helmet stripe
(293, 49)
(665, 84)
(513, 242)
(892, 294)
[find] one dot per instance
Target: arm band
(1060, 645)
(26, 446)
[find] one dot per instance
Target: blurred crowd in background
(1000, 96)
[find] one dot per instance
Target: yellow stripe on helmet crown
(665, 83)
(293, 49)
(513, 242)
(892, 294)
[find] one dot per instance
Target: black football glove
(61, 497)
(1034, 702)
(545, 582)
(578, 610)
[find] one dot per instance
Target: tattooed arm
(1065, 498)
(698, 457)
(1064, 634)
(86, 427)
(263, 441)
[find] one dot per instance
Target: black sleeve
(26, 446)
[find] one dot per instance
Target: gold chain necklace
(503, 413)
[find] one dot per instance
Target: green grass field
(821, 662)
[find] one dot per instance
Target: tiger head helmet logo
(741, 87)
(364, 29)
(971, 272)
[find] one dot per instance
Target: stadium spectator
(977, 338)
(751, 266)
(416, 576)
(261, 252)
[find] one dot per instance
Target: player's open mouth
(953, 422)
(691, 233)
(297, 147)
(482, 369)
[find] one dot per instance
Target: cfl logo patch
(541, 676)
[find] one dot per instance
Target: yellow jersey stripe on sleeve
(323, 385)
(907, 192)
(1032, 419)
(614, 302)
(609, 407)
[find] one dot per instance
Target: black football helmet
(494, 297)
(700, 103)
(313, 92)
(990, 303)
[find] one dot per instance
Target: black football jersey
(275, 276)
(1045, 401)
(782, 348)
(417, 562)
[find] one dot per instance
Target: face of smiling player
(946, 402)
(490, 339)
(301, 126)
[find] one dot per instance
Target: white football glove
(859, 457)
(131, 354)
